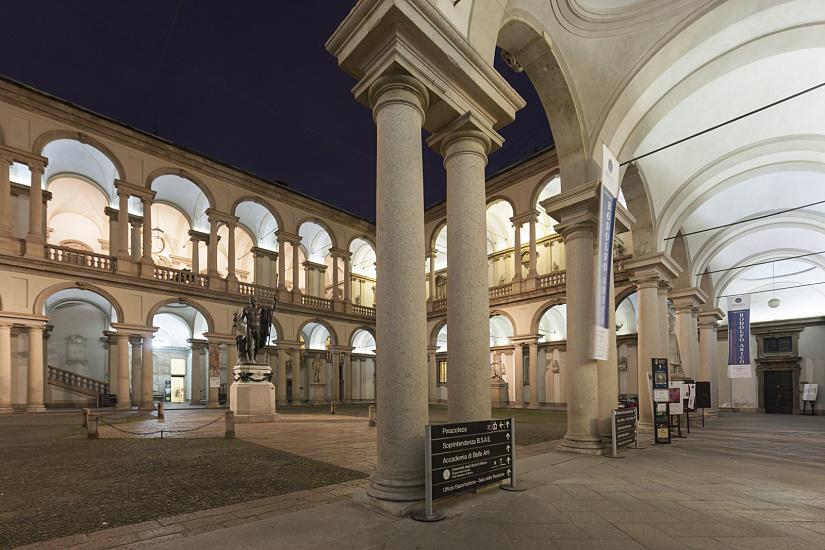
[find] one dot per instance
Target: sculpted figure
(258, 322)
(316, 369)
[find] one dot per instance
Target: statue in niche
(501, 280)
(316, 369)
(555, 266)
(674, 357)
(497, 368)
(258, 321)
(554, 365)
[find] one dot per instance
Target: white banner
(739, 371)
(607, 209)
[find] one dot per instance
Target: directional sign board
(469, 455)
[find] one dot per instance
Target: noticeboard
(702, 395)
(661, 398)
(809, 392)
(106, 400)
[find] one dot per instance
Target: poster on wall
(214, 367)
(676, 396)
(739, 336)
(661, 398)
(607, 213)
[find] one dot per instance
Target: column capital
(258, 251)
(341, 349)
(524, 217)
(468, 127)
(398, 88)
(658, 267)
(125, 188)
(6, 158)
(523, 339)
(710, 317)
(430, 253)
(576, 209)
(197, 343)
(288, 237)
(687, 299)
(36, 166)
(135, 330)
(215, 216)
(340, 253)
(432, 349)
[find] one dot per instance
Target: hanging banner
(739, 336)
(214, 367)
(607, 212)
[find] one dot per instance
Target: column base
(395, 508)
(400, 498)
(211, 405)
(147, 268)
(583, 444)
(125, 265)
(35, 409)
(123, 407)
(6, 410)
(146, 407)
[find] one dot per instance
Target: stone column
(34, 240)
(533, 272)
(465, 145)
(296, 270)
(111, 345)
(433, 377)
(336, 369)
(664, 313)
(647, 273)
(196, 374)
(123, 225)
(212, 251)
(5, 366)
(137, 379)
(137, 223)
(609, 371)
(6, 235)
(281, 375)
(335, 296)
(399, 104)
(281, 264)
(348, 278)
(518, 375)
(348, 377)
(708, 354)
(685, 303)
(196, 261)
(123, 373)
(34, 385)
(147, 264)
(231, 361)
(431, 254)
(147, 373)
(516, 249)
(534, 373)
(212, 401)
(230, 256)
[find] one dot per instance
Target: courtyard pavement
(743, 481)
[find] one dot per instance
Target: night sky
(246, 82)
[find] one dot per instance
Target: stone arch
(256, 199)
(534, 195)
(637, 195)
(437, 230)
(432, 340)
(181, 173)
(365, 328)
(40, 301)
(363, 237)
(508, 317)
(53, 135)
(557, 94)
(210, 322)
(505, 198)
(324, 225)
(623, 293)
(534, 323)
(332, 333)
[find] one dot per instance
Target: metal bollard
(160, 411)
(332, 407)
(372, 415)
(229, 417)
(92, 425)
(85, 422)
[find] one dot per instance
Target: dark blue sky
(247, 82)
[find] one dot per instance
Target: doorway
(778, 392)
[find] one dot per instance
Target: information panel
(661, 396)
(469, 455)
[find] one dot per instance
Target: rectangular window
(442, 373)
(777, 345)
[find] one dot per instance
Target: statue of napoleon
(258, 320)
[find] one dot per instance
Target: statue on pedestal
(497, 369)
(316, 370)
(258, 320)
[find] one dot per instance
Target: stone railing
(440, 303)
(314, 301)
(501, 290)
(363, 310)
(256, 290)
(75, 382)
(179, 276)
(73, 256)
(552, 279)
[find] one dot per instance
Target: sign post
(625, 429)
(661, 398)
(464, 456)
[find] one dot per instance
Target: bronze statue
(258, 322)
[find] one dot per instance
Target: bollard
(92, 424)
(160, 411)
(229, 417)
(85, 421)
(372, 415)
(332, 407)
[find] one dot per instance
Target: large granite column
(137, 381)
(5, 367)
(532, 271)
(686, 303)
(123, 373)
(465, 145)
(578, 212)
(34, 385)
(196, 261)
(399, 104)
(34, 240)
(124, 261)
(708, 353)
(6, 236)
(647, 273)
(147, 373)
(664, 314)
(213, 355)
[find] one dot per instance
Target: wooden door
(779, 392)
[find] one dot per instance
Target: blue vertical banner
(607, 215)
(739, 336)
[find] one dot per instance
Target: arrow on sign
(508, 436)
(508, 471)
(508, 460)
(508, 447)
(508, 423)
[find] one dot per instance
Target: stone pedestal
(252, 396)
(499, 393)
(317, 393)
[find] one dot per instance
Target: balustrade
(552, 279)
(179, 276)
(314, 301)
(363, 310)
(84, 384)
(501, 290)
(257, 291)
(81, 258)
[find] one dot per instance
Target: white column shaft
(34, 386)
(534, 375)
(123, 373)
(5, 368)
(649, 343)
(147, 371)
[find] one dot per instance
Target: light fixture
(773, 302)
